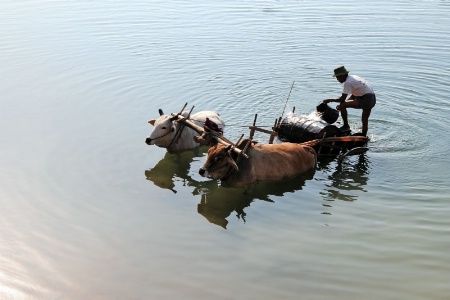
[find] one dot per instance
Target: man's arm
(340, 99)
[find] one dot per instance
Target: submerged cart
(324, 137)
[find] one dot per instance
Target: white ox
(166, 130)
(264, 162)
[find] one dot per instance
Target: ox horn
(160, 112)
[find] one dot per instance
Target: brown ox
(265, 162)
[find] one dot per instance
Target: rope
(233, 125)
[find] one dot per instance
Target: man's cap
(340, 71)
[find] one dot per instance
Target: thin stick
(288, 98)
(242, 153)
(184, 108)
(252, 129)
(237, 143)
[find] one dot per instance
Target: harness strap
(162, 135)
(177, 135)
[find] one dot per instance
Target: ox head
(218, 162)
(164, 131)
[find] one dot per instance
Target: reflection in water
(343, 177)
(172, 167)
(217, 203)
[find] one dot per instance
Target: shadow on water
(342, 178)
(217, 203)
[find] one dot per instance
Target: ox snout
(148, 141)
(202, 171)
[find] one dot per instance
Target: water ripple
(80, 80)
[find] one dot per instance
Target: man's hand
(327, 101)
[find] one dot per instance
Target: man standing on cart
(361, 94)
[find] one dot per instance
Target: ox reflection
(218, 202)
(174, 167)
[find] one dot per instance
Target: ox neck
(228, 175)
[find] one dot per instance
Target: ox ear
(152, 122)
(160, 112)
(230, 161)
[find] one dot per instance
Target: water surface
(91, 212)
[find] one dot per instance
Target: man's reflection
(344, 177)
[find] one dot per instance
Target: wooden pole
(287, 98)
(180, 131)
(184, 108)
(346, 139)
(273, 134)
(252, 128)
(237, 143)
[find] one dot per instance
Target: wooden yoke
(179, 132)
(200, 130)
(254, 128)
